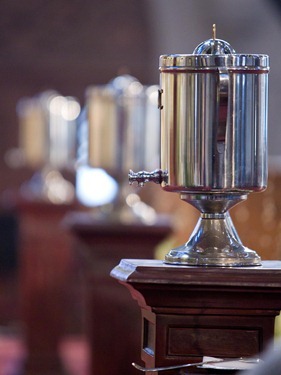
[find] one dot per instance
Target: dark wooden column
(48, 280)
(113, 323)
(191, 312)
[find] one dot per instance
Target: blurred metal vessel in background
(120, 127)
(47, 144)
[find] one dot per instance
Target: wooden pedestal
(47, 280)
(112, 322)
(191, 312)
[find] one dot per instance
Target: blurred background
(68, 46)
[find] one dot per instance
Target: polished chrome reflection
(214, 240)
(213, 144)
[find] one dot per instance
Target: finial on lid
(214, 31)
(214, 46)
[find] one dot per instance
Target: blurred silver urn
(47, 144)
(120, 128)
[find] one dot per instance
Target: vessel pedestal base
(191, 312)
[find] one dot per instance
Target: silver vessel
(123, 126)
(120, 130)
(213, 144)
(47, 144)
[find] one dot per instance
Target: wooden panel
(199, 341)
(191, 312)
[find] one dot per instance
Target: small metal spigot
(158, 176)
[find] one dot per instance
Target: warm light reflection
(67, 107)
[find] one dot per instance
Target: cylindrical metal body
(213, 145)
(123, 126)
(214, 122)
(47, 131)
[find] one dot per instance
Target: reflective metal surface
(47, 130)
(158, 176)
(47, 144)
(120, 130)
(207, 62)
(213, 144)
(123, 115)
(214, 240)
(214, 130)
